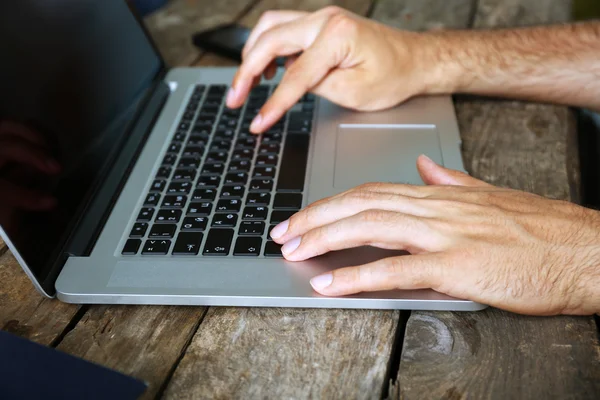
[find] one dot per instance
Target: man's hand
(468, 239)
(352, 61)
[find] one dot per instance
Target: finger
(25, 199)
(267, 21)
(22, 152)
(383, 229)
(289, 61)
(11, 128)
(305, 73)
(345, 206)
(434, 174)
(403, 272)
(281, 40)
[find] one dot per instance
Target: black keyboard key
(269, 232)
(196, 142)
(174, 148)
(233, 178)
(278, 216)
(224, 220)
(213, 169)
(218, 242)
(287, 201)
(272, 249)
(131, 247)
(246, 143)
(156, 247)
(258, 199)
(264, 172)
(261, 185)
(194, 224)
(247, 246)
(251, 228)
(184, 175)
(169, 159)
(162, 231)
(145, 214)
(274, 137)
(201, 132)
(189, 163)
(138, 230)
(266, 160)
(232, 192)
(269, 148)
(293, 164)
(179, 187)
(243, 154)
(208, 182)
(188, 244)
(158, 185)
(199, 209)
(204, 194)
(168, 216)
(193, 152)
(255, 213)
(174, 201)
(216, 157)
(163, 172)
(220, 145)
(240, 165)
(232, 205)
(224, 134)
(179, 136)
(152, 200)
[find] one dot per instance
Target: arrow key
(247, 246)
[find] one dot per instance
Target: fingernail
(280, 229)
(291, 246)
(427, 158)
(321, 282)
(255, 125)
(230, 95)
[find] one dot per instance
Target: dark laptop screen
(72, 73)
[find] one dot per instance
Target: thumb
(434, 174)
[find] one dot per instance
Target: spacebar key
(293, 164)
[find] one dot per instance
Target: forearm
(557, 64)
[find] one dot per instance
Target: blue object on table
(31, 371)
(145, 7)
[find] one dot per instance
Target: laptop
(161, 195)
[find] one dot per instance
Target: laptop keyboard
(220, 189)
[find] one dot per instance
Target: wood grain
(360, 7)
(142, 341)
(417, 15)
(495, 354)
(286, 353)
(24, 312)
(172, 27)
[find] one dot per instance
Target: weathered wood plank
(286, 353)
(494, 354)
(172, 27)
(141, 341)
(360, 7)
(24, 312)
(417, 15)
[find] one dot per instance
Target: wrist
(440, 62)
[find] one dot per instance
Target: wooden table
(201, 352)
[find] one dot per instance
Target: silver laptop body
(344, 149)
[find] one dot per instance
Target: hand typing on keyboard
(349, 60)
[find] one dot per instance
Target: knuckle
(342, 24)
(331, 10)
(267, 16)
(370, 216)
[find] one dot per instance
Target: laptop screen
(72, 73)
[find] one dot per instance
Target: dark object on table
(145, 7)
(32, 371)
(227, 41)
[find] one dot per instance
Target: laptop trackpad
(385, 153)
